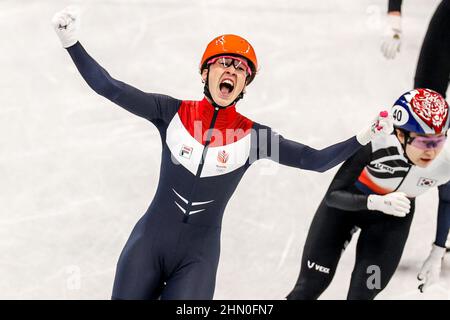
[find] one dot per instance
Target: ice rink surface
(77, 172)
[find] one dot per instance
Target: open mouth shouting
(226, 87)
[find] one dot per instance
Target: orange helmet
(231, 44)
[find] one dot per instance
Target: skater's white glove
(431, 269)
(66, 24)
(381, 125)
(392, 38)
(395, 203)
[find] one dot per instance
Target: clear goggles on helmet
(238, 63)
(426, 143)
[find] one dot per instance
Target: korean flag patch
(426, 182)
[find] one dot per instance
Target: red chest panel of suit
(229, 127)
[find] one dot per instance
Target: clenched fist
(67, 23)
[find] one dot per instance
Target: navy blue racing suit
(173, 251)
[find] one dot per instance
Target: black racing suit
(342, 211)
(382, 239)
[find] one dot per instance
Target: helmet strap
(207, 93)
(406, 139)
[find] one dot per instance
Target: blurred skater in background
(433, 66)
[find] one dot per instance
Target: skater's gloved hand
(395, 203)
(66, 24)
(431, 269)
(392, 38)
(380, 125)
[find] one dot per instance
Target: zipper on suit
(202, 162)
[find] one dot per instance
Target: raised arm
(275, 147)
(295, 154)
(147, 105)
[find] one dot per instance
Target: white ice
(77, 172)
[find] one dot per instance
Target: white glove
(395, 203)
(381, 125)
(66, 24)
(431, 268)
(392, 36)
